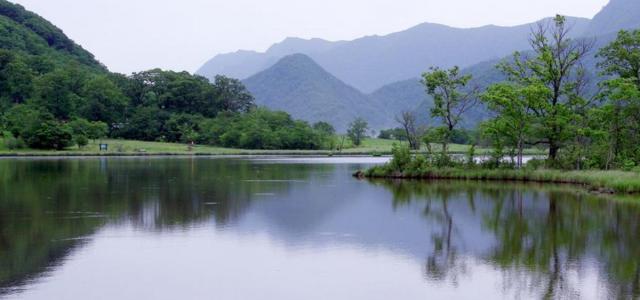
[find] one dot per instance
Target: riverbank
(610, 182)
(370, 147)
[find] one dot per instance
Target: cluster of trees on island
(548, 100)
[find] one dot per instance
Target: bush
(628, 165)
(13, 143)
(262, 129)
(401, 157)
(49, 134)
(90, 130)
(81, 140)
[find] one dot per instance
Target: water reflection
(60, 216)
(542, 235)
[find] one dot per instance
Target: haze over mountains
(371, 62)
(383, 71)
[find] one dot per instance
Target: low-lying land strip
(140, 148)
(622, 182)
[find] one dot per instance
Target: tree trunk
(553, 151)
(520, 153)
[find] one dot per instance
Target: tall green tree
(60, 92)
(104, 101)
(452, 97)
(232, 95)
(357, 131)
(620, 115)
(514, 107)
(556, 63)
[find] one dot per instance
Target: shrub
(48, 134)
(401, 157)
(13, 143)
(81, 140)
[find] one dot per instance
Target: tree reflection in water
(545, 236)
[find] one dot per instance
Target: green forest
(54, 95)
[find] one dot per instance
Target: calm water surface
(298, 228)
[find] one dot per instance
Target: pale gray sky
(135, 35)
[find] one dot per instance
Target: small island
(541, 103)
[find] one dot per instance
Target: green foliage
(549, 87)
(451, 97)
(104, 101)
(18, 117)
(514, 106)
(48, 134)
(357, 131)
(145, 124)
(393, 134)
(88, 129)
(324, 128)
(24, 31)
(261, 129)
(401, 157)
(81, 140)
(13, 143)
(615, 125)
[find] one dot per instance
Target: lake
(301, 228)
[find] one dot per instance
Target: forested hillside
(28, 33)
(301, 87)
(55, 95)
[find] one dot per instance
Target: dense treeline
(54, 94)
(59, 106)
(547, 101)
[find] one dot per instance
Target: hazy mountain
(371, 62)
(410, 95)
(26, 32)
(406, 95)
(299, 86)
(618, 14)
(243, 64)
(393, 63)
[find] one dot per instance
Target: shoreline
(177, 154)
(600, 182)
(222, 153)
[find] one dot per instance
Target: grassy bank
(127, 147)
(602, 181)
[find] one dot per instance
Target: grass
(128, 147)
(384, 146)
(620, 182)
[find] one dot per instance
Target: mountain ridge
(370, 62)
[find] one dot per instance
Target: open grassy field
(127, 147)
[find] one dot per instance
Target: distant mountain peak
(616, 15)
(301, 87)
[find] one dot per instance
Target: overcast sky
(134, 35)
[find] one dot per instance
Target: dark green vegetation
(542, 102)
(54, 95)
